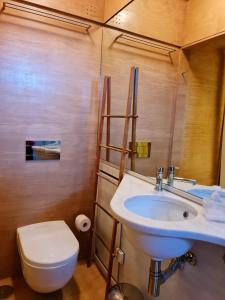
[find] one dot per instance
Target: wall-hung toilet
(48, 253)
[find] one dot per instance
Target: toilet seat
(47, 245)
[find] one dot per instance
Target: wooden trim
(174, 110)
(101, 239)
(126, 126)
(198, 42)
(111, 257)
(108, 119)
(118, 149)
(120, 116)
(122, 8)
(110, 215)
(223, 127)
(134, 121)
(106, 178)
(98, 156)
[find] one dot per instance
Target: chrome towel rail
(43, 12)
(146, 42)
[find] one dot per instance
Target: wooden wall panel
(112, 7)
(203, 20)
(49, 90)
(92, 9)
(156, 96)
(161, 19)
(199, 114)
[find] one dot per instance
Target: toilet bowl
(48, 253)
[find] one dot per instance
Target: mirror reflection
(180, 104)
(198, 133)
(156, 90)
(43, 150)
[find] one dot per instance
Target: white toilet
(48, 253)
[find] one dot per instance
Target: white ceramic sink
(164, 209)
(161, 224)
(159, 207)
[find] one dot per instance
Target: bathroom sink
(159, 207)
(161, 224)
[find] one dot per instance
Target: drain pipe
(154, 278)
(158, 277)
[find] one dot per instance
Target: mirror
(197, 141)
(180, 99)
(142, 17)
(157, 79)
(43, 150)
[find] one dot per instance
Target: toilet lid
(47, 244)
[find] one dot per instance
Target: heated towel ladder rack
(130, 114)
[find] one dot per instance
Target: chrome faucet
(159, 179)
(192, 181)
(171, 177)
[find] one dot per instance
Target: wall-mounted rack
(42, 11)
(130, 115)
(167, 49)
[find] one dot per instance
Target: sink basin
(161, 224)
(158, 207)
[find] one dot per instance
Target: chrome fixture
(47, 12)
(159, 179)
(171, 177)
(155, 278)
(193, 181)
(171, 171)
(158, 277)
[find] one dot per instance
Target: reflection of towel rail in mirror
(145, 42)
(45, 12)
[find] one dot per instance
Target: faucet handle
(159, 179)
(171, 172)
(171, 169)
(160, 170)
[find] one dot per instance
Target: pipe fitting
(158, 277)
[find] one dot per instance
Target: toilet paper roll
(82, 223)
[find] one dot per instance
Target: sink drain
(6, 291)
(185, 214)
